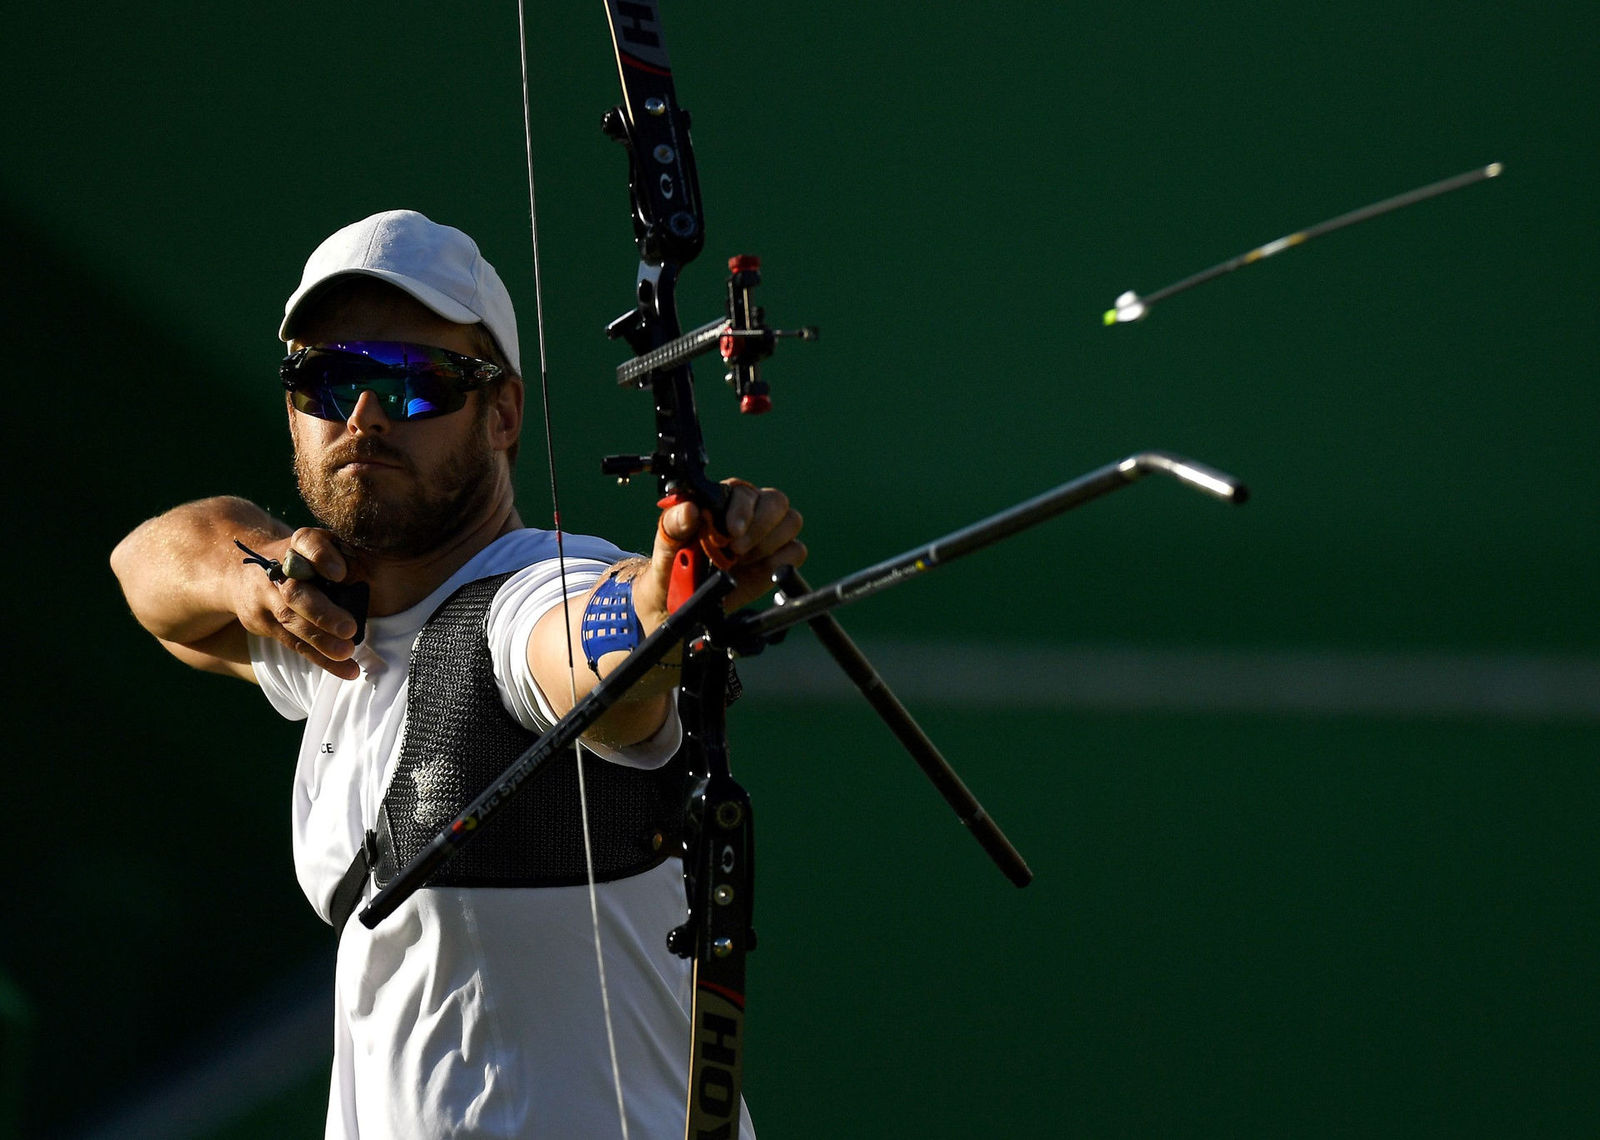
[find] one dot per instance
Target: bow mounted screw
(614, 125)
(624, 467)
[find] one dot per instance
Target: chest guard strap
(459, 738)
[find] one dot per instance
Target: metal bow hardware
(717, 933)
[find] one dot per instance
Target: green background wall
(1309, 787)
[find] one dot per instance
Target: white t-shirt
(475, 1012)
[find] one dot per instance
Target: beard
(398, 515)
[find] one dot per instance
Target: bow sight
(742, 337)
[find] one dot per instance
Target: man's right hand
(188, 585)
(295, 612)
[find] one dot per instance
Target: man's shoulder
(529, 546)
(528, 566)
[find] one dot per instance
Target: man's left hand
(759, 534)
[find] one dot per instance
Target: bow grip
(689, 563)
(688, 570)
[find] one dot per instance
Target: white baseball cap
(438, 265)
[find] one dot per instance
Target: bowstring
(561, 562)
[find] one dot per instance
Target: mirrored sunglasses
(410, 381)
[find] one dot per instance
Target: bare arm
(762, 535)
(188, 586)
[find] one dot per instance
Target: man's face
(396, 488)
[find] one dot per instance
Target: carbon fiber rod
(1112, 477)
(905, 728)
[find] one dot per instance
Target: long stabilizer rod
(1111, 477)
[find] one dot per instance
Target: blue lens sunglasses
(410, 381)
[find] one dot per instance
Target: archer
(426, 636)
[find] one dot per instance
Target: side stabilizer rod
(843, 649)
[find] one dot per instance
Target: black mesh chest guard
(459, 738)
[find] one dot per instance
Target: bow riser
(718, 851)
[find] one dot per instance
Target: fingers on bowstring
(342, 667)
(344, 670)
(310, 622)
(312, 616)
(313, 553)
